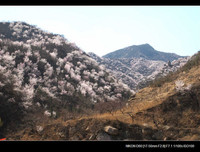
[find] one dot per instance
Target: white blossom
(39, 128)
(67, 67)
(47, 113)
(38, 104)
(188, 87)
(1, 84)
(54, 114)
(27, 104)
(53, 54)
(179, 85)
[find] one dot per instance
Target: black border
(99, 2)
(95, 145)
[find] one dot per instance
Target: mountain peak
(142, 51)
(146, 44)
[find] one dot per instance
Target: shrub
(194, 61)
(179, 85)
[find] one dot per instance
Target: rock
(72, 130)
(87, 128)
(61, 134)
(92, 137)
(127, 140)
(148, 134)
(133, 95)
(147, 131)
(103, 136)
(39, 129)
(166, 138)
(145, 125)
(74, 138)
(80, 136)
(166, 127)
(158, 135)
(111, 130)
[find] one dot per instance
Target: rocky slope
(136, 72)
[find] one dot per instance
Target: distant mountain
(136, 72)
(145, 51)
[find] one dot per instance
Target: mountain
(171, 103)
(43, 73)
(142, 51)
(52, 90)
(166, 110)
(136, 72)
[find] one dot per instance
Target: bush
(194, 61)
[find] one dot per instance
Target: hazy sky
(103, 29)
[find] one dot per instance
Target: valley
(50, 89)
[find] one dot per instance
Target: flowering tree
(48, 70)
(180, 87)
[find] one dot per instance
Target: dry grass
(150, 97)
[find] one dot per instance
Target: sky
(104, 29)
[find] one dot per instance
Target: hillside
(44, 74)
(138, 72)
(142, 51)
(169, 111)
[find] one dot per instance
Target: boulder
(103, 136)
(111, 130)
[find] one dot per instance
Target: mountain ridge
(144, 50)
